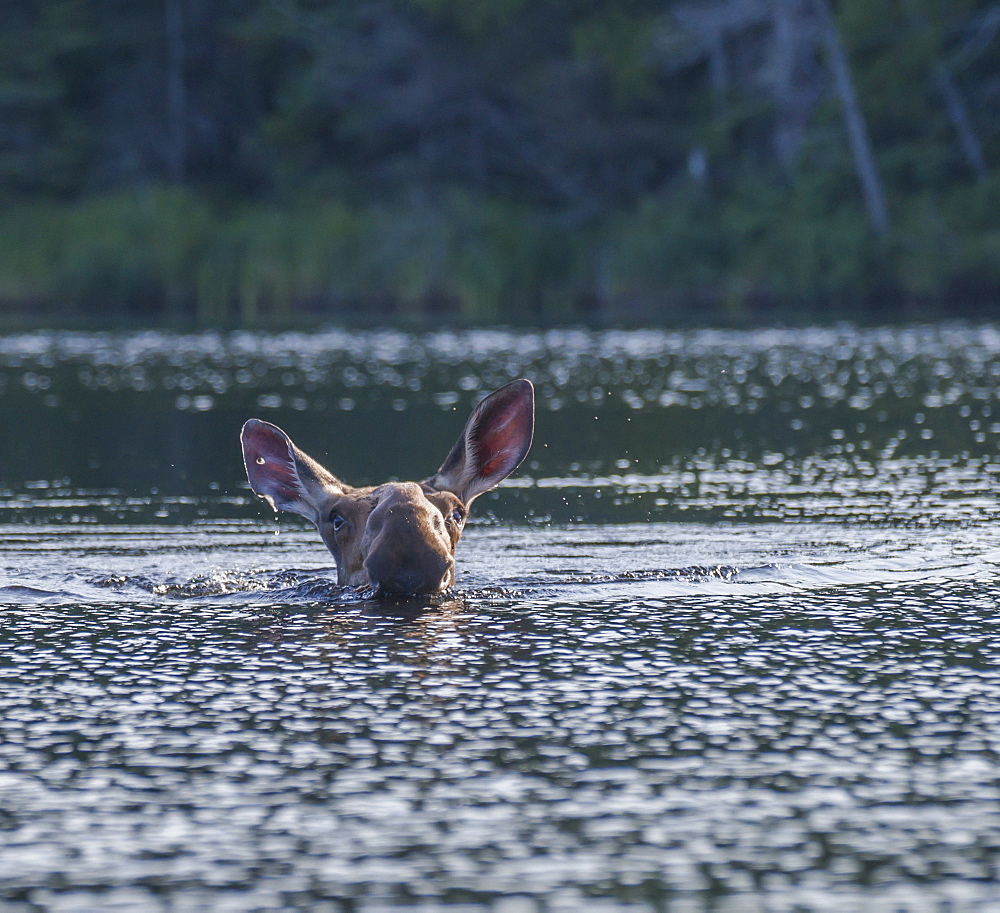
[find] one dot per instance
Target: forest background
(277, 162)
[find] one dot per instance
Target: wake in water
(546, 575)
(295, 586)
(289, 584)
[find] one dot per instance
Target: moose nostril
(431, 575)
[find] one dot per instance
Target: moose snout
(410, 575)
(408, 550)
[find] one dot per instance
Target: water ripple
(728, 642)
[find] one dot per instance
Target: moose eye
(458, 515)
(338, 521)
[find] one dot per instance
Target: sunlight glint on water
(728, 640)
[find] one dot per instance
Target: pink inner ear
(269, 462)
(503, 439)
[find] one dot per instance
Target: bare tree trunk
(857, 130)
(787, 138)
(958, 114)
(176, 91)
(718, 72)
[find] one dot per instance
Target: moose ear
(496, 438)
(282, 474)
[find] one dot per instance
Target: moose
(397, 538)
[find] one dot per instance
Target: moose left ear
(496, 438)
(282, 474)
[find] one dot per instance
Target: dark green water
(728, 641)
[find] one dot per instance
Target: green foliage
(762, 246)
(474, 17)
(621, 40)
(166, 251)
(269, 163)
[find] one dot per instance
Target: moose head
(399, 537)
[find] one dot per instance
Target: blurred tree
(456, 141)
(174, 23)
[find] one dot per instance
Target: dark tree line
(498, 157)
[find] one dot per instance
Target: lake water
(728, 641)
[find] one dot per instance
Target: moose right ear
(283, 475)
(496, 438)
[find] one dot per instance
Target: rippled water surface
(728, 641)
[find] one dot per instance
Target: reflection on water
(729, 642)
(838, 424)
